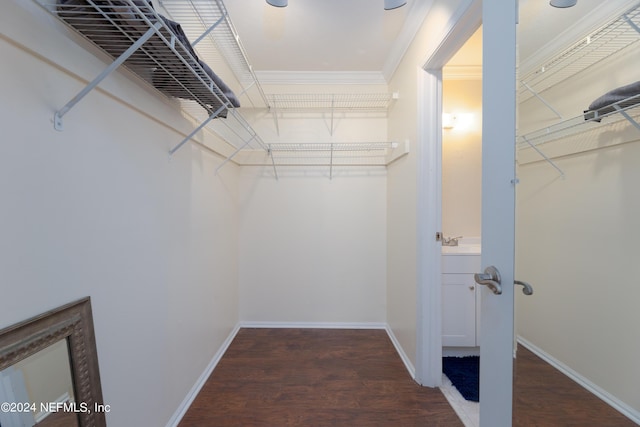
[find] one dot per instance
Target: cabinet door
(459, 310)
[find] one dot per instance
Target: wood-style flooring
(355, 378)
(545, 397)
(59, 419)
(315, 377)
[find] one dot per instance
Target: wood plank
(318, 377)
(544, 396)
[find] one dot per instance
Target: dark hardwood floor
(355, 378)
(315, 377)
(545, 397)
(59, 419)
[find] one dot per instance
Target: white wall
(100, 210)
(402, 262)
(577, 238)
(313, 249)
(462, 159)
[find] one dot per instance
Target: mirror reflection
(40, 389)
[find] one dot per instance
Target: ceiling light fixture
(563, 3)
(393, 4)
(278, 3)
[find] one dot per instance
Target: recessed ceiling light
(278, 3)
(393, 4)
(563, 3)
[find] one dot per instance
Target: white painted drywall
(313, 249)
(462, 158)
(576, 239)
(100, 210)
(402, 262)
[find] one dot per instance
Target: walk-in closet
(174, 171)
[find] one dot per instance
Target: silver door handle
(527, 289)
(490, 278)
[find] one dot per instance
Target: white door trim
(460, 27)
(429, 309)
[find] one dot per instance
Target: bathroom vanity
(460, 298)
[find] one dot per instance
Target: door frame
(498, 230)
(458, 30)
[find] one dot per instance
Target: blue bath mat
(464, 373)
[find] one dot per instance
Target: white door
(498, 209)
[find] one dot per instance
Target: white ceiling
(329, 36)
(318, 35)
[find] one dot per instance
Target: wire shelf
(627, 110)
(151, 46)
(214, 36)
(619, 34)
(333, 154)
(300, 102)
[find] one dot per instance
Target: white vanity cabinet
(460, 299)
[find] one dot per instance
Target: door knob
(527, 289)
(490, 278)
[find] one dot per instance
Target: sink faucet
(450, 241)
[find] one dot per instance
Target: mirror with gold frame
(49, 370)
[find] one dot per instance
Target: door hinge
(438, 236)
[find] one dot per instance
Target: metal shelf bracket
(631, 23)
(273, 163)
(196, 130)
(57, 118)
(626, 116)
(544, 156)
(544, 101)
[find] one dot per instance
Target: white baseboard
(188, 400)
(401, 353)
(65, 397)
(611, 400)
(314, 325)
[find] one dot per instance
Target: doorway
(461, 226)
(497, 201)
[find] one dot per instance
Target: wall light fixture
(462, 122)
(448, 121)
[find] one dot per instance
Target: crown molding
(415, 17)
(462, 72)
(321, 77)
(595, 19)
